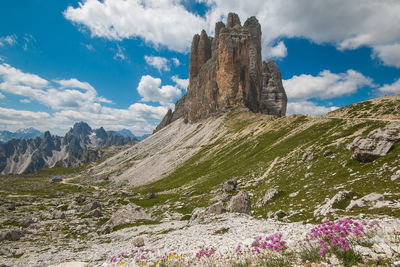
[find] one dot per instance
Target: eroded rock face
(273, 95)
(226, 71)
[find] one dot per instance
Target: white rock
(71, 264)
(395, 176)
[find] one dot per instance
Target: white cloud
(74, 100)
(1, 96)
(25, 100)
(67, 94)
(159, 63)
(74, 83)
(393, 88)
(176, 62)
(182, 83)
(150, 90)
(348, 24)
(1, 59)
(23, 115)
(164, 22)
(325, 85)
(277, 51)
(308, 108)
(8, 40)
(389, 54)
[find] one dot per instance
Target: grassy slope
(251, 144)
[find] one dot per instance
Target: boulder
(373, 200)
(308, 175)
(269, 195)
(330, 204)
(138, 242)
(395, 176)
(80, 199)
(58, 214)
(200, 213)
(229, 186)
(94, 213)
(127, 214)
(240, 203)
(307, 156)
(12, 235)
(11, 206)
(377, 143)
(26, 221)
(91, 206)
(327, 153)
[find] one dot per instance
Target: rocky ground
(93, 226)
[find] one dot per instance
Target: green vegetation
(35, 186)
(246, 157)
(138, 223)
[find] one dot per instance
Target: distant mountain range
(127, 133)
(80, 145)
(26, 133)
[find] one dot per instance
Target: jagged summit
(226, 71)
(80, 145)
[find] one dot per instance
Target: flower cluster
(205, 253)
(272, 243)
(340, 235)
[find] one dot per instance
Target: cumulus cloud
(308, 108)
(182, 83)
(25, 100)
(348, 24)
(13, 114)
(67, 94)
(150, 90)
(73, 100)
(160, 63)
(300, 89)
(277, 51)
(325, 85)
(393, 88)
(389, 54)
(1, 96)
(120, 19)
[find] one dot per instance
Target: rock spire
(226, 71)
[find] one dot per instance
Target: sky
(122, 63)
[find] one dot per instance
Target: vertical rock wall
(227, 72)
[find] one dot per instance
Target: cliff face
(226, 71)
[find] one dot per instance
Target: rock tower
(226, 71)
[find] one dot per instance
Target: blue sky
(123, 63)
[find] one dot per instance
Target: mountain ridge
(25, 133)
(80, 145)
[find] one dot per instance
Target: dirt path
(265, 175)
